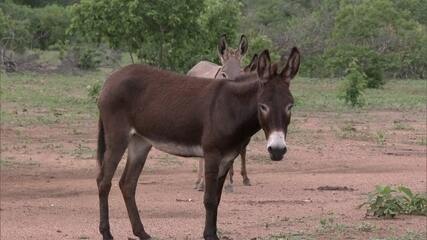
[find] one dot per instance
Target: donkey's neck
(242, 104)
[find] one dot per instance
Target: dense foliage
(387, 37)
(169, 34)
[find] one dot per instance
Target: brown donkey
(231, 60)
(141, 107)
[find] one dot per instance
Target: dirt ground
(48, 188)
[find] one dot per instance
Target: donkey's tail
(101, 143)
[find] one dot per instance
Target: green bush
(374, 75)
(80, 55)
(50, 26)
(388, 202)
(35, 27)
(415, 204)
(353, 85)
(88, 58)
(257, 43)
(370, 63)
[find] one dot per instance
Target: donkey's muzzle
(276, 153)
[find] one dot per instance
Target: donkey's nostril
(276, 153)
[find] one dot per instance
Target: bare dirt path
(48, 188)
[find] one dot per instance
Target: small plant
(353, 85)
(329, 225)
(388, 202)
(383, 203)
(422, 141)
(380, 136)
(415, 204)
(366, 227)
(94, 90)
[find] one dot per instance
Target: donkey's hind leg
(113, 154)
(137, 154)
(200, 183)
(243, 171)
(229, 185)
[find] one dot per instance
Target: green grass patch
(322, 95)
(43, 99)
(31, 98)
(400, 125)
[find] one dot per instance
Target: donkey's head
(231, 58)
(275, 100)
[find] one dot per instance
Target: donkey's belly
(177, 149)
(174, 148)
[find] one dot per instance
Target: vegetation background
(361, 94)
(386, 37)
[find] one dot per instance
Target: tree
(169, 34)
(384, 36)
(35, 27)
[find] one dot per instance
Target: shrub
(370, 63)
(388, 202)
(374, 74)
(88, 58)
(80, 55)
(353, 85)
(415, 204)
(34, 27)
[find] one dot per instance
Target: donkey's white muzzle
(276, 145)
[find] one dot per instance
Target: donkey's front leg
(214, 181)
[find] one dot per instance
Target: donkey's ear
(222, 47)
(252, 65)
(292, 66)
(243, 45)
(263, 66)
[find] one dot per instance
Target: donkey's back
(204, 69)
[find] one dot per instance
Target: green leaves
(172, 34)
(388, 202)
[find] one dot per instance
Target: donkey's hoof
(212, 238)
(107, 236)
(247, 182)
(228, 188)
(201, 187)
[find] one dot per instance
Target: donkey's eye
(263, 108)
(224, 75)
